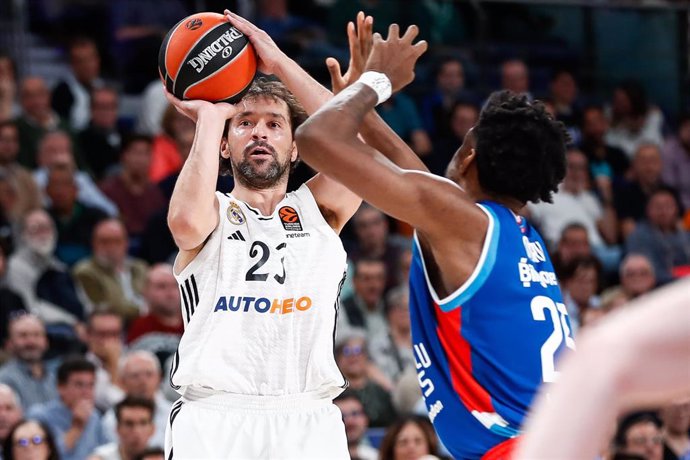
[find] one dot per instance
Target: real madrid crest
(235, 215)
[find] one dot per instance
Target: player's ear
(469, 159)
(293, 153)
(224, 148)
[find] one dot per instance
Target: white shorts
(204, 424)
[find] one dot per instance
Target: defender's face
(260, 144)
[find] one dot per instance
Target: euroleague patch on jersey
(235, 214)
(290, 219)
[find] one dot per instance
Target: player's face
(260, 144)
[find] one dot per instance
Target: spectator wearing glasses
(72, 417)
(104, 338)
(640, 434)
(356, 424)
(353, 360)
(30, 440)
(637, 277)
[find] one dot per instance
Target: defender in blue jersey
(487, 314)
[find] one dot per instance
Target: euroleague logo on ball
(220, 45)
(194, 24)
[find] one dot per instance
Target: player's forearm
(192, 216)
(310, 93)
(336, 122)
(379, 135)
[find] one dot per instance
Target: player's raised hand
(360, 40)
(396, 56)
(267, 51)
(192, 108)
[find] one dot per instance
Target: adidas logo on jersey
(237, 236)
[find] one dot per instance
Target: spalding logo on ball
(204, 57)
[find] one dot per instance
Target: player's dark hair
(277, 91)
(520, 148)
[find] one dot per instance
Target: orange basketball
(204, 57)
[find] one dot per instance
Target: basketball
(204, 57)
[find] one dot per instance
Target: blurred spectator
(37, 119)
(153, 106)
(575, 203)
(110, 278)
(11, 302)
(365, 307)
(10, 411)
(675, 419)
(563, 91)
(633, 120)
(55, 149)
(152, 453)
(579, 280)
(374, 241)
(160, 330)
(138, 28)
(9, 108)
(515, 77)
(43, 282)
(167, 157)
(8, 204)
(30, 440)
(660, 236)
(27, 373)
(353, 361)
(448, 90)
(28, 196)
(604, 158)
(410, 437)
(392, 352)
(407, 395)
(572, 244)
(400, 113)
(356, 424)
(637, 277)
(72, 417)
(104, 339)
(135, 195)
(134, 429)
(463, 116)
(101, 139)
(676, 161)
(74, 220)
(140, 375)
(71, 95)
(640, 434)
(631, 195)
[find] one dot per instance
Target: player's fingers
(410, 33)
(242, 24)
(352, 39)
(393, 31)
(366, 41)
(420, 48)
(334, 69)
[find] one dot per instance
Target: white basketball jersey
(260, 301)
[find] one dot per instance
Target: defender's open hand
(396, 56)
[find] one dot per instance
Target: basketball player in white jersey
(260, 272)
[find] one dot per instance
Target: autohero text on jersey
(262, 304)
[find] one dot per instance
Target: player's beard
(259, 176)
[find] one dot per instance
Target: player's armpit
(336, 202)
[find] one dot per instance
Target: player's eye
(274, 124)
(245, 123)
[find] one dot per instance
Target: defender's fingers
(410, 33)
(334, 69)
(393, 31)
(420, 48)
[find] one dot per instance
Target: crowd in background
(90, 311)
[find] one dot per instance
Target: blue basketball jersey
(482, 352)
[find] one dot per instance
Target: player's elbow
(187, 231)
(309, 139)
